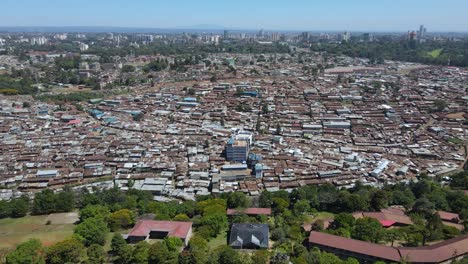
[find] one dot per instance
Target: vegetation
(112, 209)
(12, 85)
(430, 52)
(71, 97)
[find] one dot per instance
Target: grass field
(319, 216)
(220, 240)
(16, 230)
(435, 53)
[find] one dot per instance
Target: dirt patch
(459, 115)
(62, 218)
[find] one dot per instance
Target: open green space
(16, 230)
(220, 240)
(435, 53)
(319, 216)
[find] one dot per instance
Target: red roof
(436, 253)
(250, 211)
(386, 216)
(174, 229)
(74, 122)
(357, 246)
(446, 216)
(387, 223)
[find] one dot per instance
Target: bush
(121, 219)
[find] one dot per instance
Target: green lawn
(455, 140)
(220, 240)
(319, 216)
(16, 230)
(435, 53)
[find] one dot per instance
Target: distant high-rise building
(411, 35)
(38, 40)
(369, 37)
(275, 36)
(226, 34)
(346, 36)
(261, 33)
(422, 32)
(61, 36)
(305, 36)
(84, 47)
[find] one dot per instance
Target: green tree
(117, 243)
(160, 254)
(128, 68)
(227, 255)
(93, 231)
(18, 207)
(181, 218)
(173, 243)
(423, 206)
(44, 202)
(67, 251)
(260, 257)
(368, 229)
(279, 205)
(124, 255)
(379, 200)
(29, 252)
(237, 200)
(302, 206)
(141, 253)
(121, 219)
(198, 249)
(95, 211)
(392, 234)
(439, 105)
(65, 201)
(343, 220)
(96, 254)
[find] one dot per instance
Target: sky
(353, 15)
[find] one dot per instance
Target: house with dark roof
(150, 229)
(249, 236)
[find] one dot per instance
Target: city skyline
(336, 15)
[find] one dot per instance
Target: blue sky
(369, 15)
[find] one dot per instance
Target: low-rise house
(149, 229)
(249, 236)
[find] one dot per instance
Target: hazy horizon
(296, 15)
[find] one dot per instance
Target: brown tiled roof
(174, 229)
(356, 246)
(436, 253)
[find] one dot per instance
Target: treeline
(102, 211)
(70, 97)
(156, 65)
(455, 53)
(187, 49)
(11, 86)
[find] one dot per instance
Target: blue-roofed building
(111, 120)
(96, 113)
(190, 99)
(254, 159)
(259, 171)
(250, 93)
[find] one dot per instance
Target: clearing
(435, 53)
(17, 230)
(220, 240)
